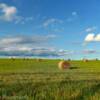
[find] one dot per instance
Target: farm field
(29, 79)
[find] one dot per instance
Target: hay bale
(69, 59)
(64, 65)
(13, 58)
(96, 59)
(39, 60)
(85, 60)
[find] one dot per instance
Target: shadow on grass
(73, 67)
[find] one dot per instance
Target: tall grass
(31, 80)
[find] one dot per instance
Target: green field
(29, 79)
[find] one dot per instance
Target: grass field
(29, 79)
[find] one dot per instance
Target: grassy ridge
(29, 79)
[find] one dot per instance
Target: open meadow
(49, 49)
(30, 79)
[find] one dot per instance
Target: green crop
(28, 79)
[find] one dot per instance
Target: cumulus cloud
(97, 38)
(8, 12)
(92, 38)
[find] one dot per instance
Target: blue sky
(50, 28)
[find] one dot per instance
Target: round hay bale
(39, 60)
(85, 60)
(69, 59)
(64, 65)
(96, 59)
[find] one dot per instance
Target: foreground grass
(60, 90)
(28, 79)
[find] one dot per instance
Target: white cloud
(21, 40)
(30, 51)
(65, 52)
(8, 12)
(10, 40)
(16, 48)
(97, 38)
(29, 46)
(92, 38)
(91, 29)
(89, 37)
(23, 20)
(51, 21)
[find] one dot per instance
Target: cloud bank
(29, 46)
(35, 46)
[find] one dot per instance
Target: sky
(50, 28)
